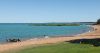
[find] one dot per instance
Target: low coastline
(10, 46)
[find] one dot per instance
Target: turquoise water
(25, 31)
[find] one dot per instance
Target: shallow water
(26, 31)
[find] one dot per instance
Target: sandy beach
(11, 46)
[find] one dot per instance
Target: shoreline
(91, 30)
(46, 36)
(51, 34)
(17, 45)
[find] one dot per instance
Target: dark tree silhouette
(98, 21)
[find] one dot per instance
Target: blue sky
(40, 11)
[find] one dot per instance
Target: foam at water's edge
(91, 28)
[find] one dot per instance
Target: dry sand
(11, 46)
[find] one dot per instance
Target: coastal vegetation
(62, 24)
(98, 21)
(63, 47)
(55, 24)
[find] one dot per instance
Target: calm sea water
(25, 31)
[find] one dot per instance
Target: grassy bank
(61, 48)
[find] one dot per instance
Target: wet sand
(17, 45)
